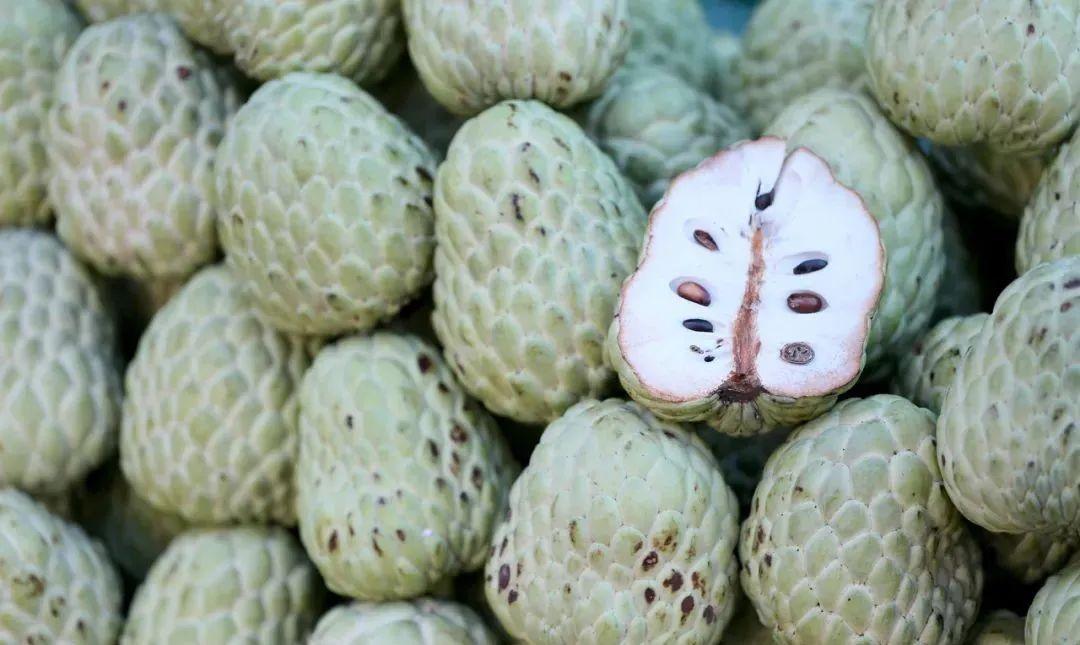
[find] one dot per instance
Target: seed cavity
(805, 302)
(796, 353)
(763, 201)
(697, 324)
(704, 239)
(810, 266)
(694, 292)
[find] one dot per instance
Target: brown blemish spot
(572, 529)
(520, 566)
(1072, 284)
(464, 497)
(675, 582)
(400, 534)
(637, 546)
(443, 388)
(515, 201)
(440, 483)
(710, 615)
(423, 172)
(650, 595)
(477, 478)
(80, 626)
(504, 576)
(743, 385)
(687, 604)
(512, 597)
(502, 547)
(562, 144)
(796, 353)
(696, 582)
(805, 302)
(768, 559)
(458, 434)
(1031, 30)
(433, 449)
(704, 239)
(759, 537)
(695, 293)
(424, 363)
(1065, 306)
(332, 543)
(122, 105)
(375, 545)
(183, 73)
(348, 421)
(566, 588)
(650, 560)
(105, 85)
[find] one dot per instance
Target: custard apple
(1005, 73)
(674, 35)
(1001, 627)
(1009, 454)
(237, 585)
(792, 47)
(620, 530)
(59, 369)
(471, 54)
(325, 205)
(401, 477)
(1054, 616)
(56, 584)
(34, 36)
(131, 138)
(358, 39)
(1050, 228)
(979, 177)
(960, 292)
(656, 126)
(884, 167)
(1029, 557)
(420, 622)
(852, 539)
(924, 374)
(209, 427)
(536, 229)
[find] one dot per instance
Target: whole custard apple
(1050, 228)
(59, 369)
(620, 530)
(418, 622)
(851, 537)
(210, 419)
(1007, 440)
(235, 585)
(131, 138)
(752, 303)
(401, 478)
(357, 39)
(1054, 616)
(536, 229)
(471, 54)
(1001, 72)
(56, 584)
(34, 36)
(325, 204)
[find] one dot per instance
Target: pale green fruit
(325, 203)
(209, 427)
(358, 39)
(419, 622)
(924, 374)
(656, 126)
(1050, 228)
(620, 530)
(133, 532)
(400, 477)
(471, 54)
(34, 36)
(238, 585)
(1009, 453)
(980, 177)
(1000, 72)
(56, 584)
(672, 34)
(792, 47)
(852, 539)
(1030, 557)
(872, 158)
(536, 231)
(726, 85)
(998, 628)
(1054, 616)
(59, 371)
(960, 293)
(131, 137)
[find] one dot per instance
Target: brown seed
(704, 239)
(797, 353)
(805, 302)
(695, 293)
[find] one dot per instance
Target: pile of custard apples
(305, 312)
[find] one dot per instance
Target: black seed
(709, 359)
(763, 201)
(797, 353)
(704, 239)
(697, 324)
(810, 266)
(805, 302)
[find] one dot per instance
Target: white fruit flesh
(733, 255)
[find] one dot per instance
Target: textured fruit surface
(203, 21)
(241, 585)
(1050, 228)
(869, 156)
(980, 177)
(852, 538)
(56, 584)
(131, 138)
(325, 205)
(726, 85)
(620, 529)
(925, 373)
(655, 126)
(792, 47)
(420, 622)
(1029, 557)
(471, 54)
(960, 293)
(673, 34)
(59, 372)
(400, 477)
(358, 39)
(102, 10)
(998, 628)
(34, 36)
(1054, 616)
(209, 428)
(536, 230)
(1009, 453)
(1001, 72)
